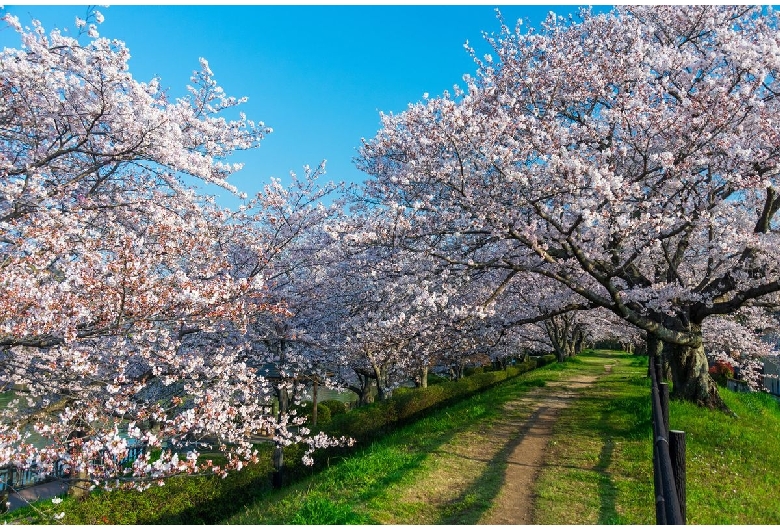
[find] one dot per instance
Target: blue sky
(318, 75)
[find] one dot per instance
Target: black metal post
(671, 503)
(278, 472)
(660, 508)
(677, 454)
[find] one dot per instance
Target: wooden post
(677, 454)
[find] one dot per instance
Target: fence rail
(668, 453)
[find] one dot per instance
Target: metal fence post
(677, 454)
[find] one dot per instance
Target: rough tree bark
(687, 363)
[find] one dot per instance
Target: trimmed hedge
(323, 412)
(365, 422)
(436, 379)
(544, 360)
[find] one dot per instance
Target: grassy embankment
(599, 465)
(600, 461)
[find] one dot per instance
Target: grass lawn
(403, 478)
(600, 461)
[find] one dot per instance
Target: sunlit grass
(371, 482)
(600, 461)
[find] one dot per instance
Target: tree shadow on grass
(607, 489)
(233, 499)
(471, 505)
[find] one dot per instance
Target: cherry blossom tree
(739, 341)
(123, 312)
(630, 157)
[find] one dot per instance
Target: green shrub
(526, 366)
(335, 406)
(371, 420)
(323, 412)
(544, 360)
(420, 399)
(471, 370)
(436, 379)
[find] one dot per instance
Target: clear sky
(318, 75)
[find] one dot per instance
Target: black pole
(664, 393)
(677, 454)
(672, 505)
(660, 508)
(659, 368)
(278, 472)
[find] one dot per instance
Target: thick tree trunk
(364, 390)
(690, 379)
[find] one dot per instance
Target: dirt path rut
(514, 503)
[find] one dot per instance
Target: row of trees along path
(623, 168)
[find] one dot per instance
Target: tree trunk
(78, 487)
(457, 370)
(424, 377)
(314, 402)
(380, 374)
(579, 342)
(364, 390)
(690, 378)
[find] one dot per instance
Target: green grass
(208, 500)
(732, 463)
(600, 461)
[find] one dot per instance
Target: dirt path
(485, 475)
(514, 503)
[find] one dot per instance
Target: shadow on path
(483, 491)
(502, 494)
